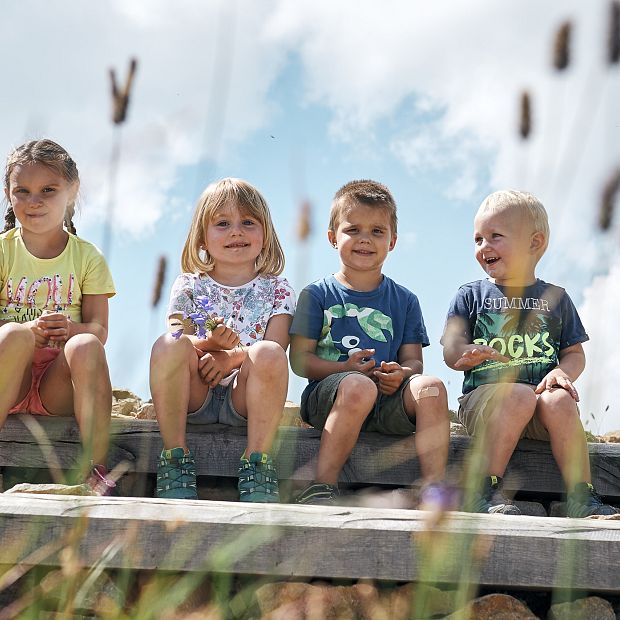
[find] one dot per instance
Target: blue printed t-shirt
(343, 321)
(530, 325)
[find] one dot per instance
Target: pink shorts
(41, 361)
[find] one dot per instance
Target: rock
(124, 407)
(611, 437)
(589, 608)
(52, 489)
(146, 411)
(291, 416)
(456, 428)
(494, 607)
(298, 601)
(122, 394)
(557, 509)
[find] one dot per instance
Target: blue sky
(299, 97)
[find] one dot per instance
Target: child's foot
(176, 475)
(319, 493)
(439, 497)
(258, 479)
(584, 501)
(491, 500)
(99, 482)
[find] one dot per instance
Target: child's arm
(572, 361)
(390, 375)
(306, 363)
(459, 353)
(58, 328)
(213, 366)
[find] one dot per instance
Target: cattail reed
(613, 43)
(303, 225)
(561, 46)
(525, 122)
(120, 98)
(610, 193)
(159, 281)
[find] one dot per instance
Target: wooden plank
(312, 541)
(376, 459)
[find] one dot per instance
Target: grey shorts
(477, 405)
(388, 415)
(218, 409)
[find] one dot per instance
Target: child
(54, 290)
(518, 339)
(358, 337)
(232, 256)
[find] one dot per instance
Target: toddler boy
(518, 340)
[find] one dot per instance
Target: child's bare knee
(83, 348)
(17, 335)
(357, 390)
(268, 354)
(426, 387)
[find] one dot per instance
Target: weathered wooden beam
(311, 541)
(376, 459)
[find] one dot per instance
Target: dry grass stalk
(120, 97)
(525, 123)
(304, 227)
(561, 46)
(159, 281)
(610, 191)
(613, 50)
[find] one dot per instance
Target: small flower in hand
(203, 319)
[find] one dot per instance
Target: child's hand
(361, 361)
(213, 367)
(55, 326)
(223, 337)
(389, 376)
(40, 339)
(557, 379)
(475, 354)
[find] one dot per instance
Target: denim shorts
(388, 416)
(218, 409)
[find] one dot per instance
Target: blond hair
(47, 153)
(225, 193)
(523, 202)
(365, 192)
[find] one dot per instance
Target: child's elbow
(297, 364)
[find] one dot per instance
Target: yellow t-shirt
(29, 285)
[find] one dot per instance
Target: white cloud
(599, 383)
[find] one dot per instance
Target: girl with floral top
(237, 372)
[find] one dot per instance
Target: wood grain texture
(376, 459)
(329, 542)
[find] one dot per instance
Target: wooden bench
(35, 442)
(311, 541)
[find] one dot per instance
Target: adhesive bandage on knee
(427, 392)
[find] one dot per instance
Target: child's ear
(393, 241)
(537, 242)
(331, 235)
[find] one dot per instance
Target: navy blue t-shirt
(530, 325)
(343, 321)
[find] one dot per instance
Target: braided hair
(49, 154)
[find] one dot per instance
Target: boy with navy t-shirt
(357, 336)
(518, 340)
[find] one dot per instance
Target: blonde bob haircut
(525, 204)
(219, 196)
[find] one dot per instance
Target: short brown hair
(246, 198)
(365, 192)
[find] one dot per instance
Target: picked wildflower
(203, 320)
